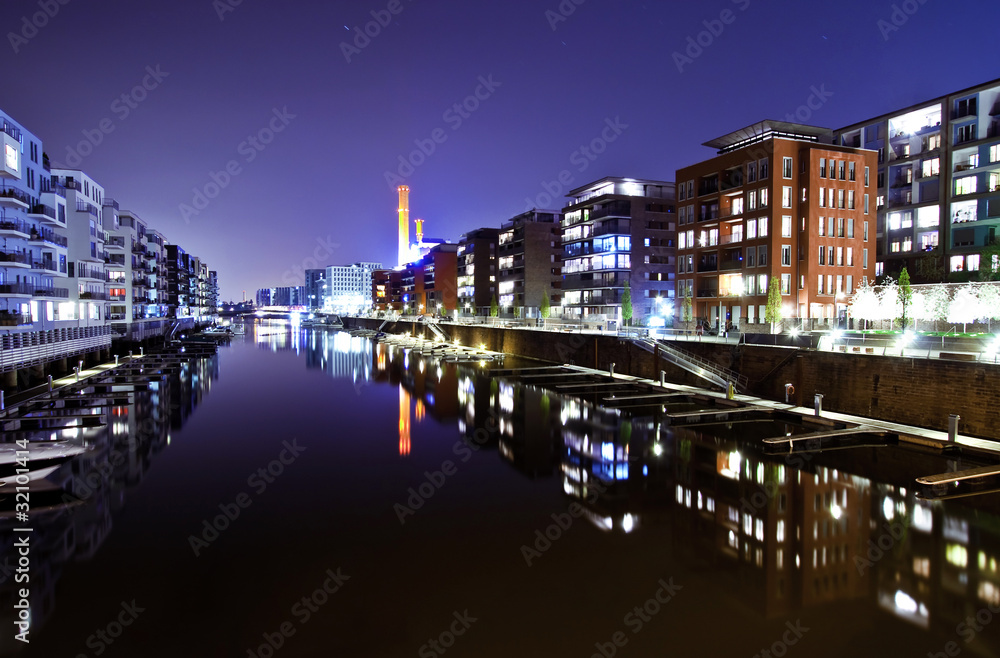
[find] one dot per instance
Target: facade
(618, 230)
(387, 290)
(430, 285)
(315, 288)
(284, 296)
(349, 287)
(136, 308)
(938, 183)
(85, 250)
(530, 261)
(477, 270)
(775, 204)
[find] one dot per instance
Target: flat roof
(761, 128)
(617, 179)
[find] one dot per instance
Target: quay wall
(921, 392)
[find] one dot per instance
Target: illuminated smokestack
(420, 231)
(404, 224)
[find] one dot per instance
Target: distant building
(136, 307)
(430, 285)
(349, 287)
(775, 205)
(618, 230)
(387, 290)
(283, 296)
(937, 183)
(530, 261)
(477, 270)
(315, 288)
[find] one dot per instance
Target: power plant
(411, 251)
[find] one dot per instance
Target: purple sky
(319, 188)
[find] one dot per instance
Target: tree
(687, 312)
(627, 304)
(905, 296)
(965, 306)
(864, 303)
(494, 307)
(989, 262)
(989, 300)
(546, 307)
(772, 312)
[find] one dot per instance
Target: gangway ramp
(693, 363)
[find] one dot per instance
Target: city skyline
(263, 119)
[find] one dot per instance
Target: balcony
(83, 206)
(97, 296)
(11, 198)
(613, 209)
(44, 213)
(47, 235)
(729, 265)
(50, 187)
(15, 228)
(115, 242)
(110, 203)
(47, 266)
(15, 259)
(32, 290)
(708, 292)
(8, 319)
(732, 238)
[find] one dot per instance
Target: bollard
(142, 351)
(819, 403)
(76, 371)
(730, 391)
(50, 383)
(130, 354)
(953, 428)
(3, 404)
(116, 359)
(789, 389)
(663, 378)
(611, 371)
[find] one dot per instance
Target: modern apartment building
(387, 290)
(530, 260)
(349, 287)
(616, 230)
(938, 183)
(775, 204)
(136, 284)
(284, 296)
(430, 285)
(477, 270)
(315, 288)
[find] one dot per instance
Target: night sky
(549, 82)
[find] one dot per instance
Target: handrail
(694, 363)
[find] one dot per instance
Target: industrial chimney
(404, 224)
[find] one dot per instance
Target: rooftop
(767, 129)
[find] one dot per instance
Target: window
(864, 258)
(972, 262)
(822, 167)
(864, 232)
(764, 173)
(866, 204)
(829, 226)
(822, 255)
(850, 171)
(737, 206)
(713, 237)
(802, 282)
(840, 256)
(786, 226)
(840, 227)
(822, 197)
(751, 229)
(930, 167)
(995, 153)
(786, 197)
(822, 227)
(763, 197)
(840, 169)
(850, 289)
(819, 284)
(829, 255)
(690, 189)
(762, 227)
(840, 284)
(786, 284)
(957, 263)
(832, 198)
(751, 256)
(850, 199)
(681, 240)
(752, 200)
(751, 172)
(762, 287)
(965, 185)
(786, 255)
(866, 177)
(850, 227)
(803, 195)
(762, 255)
(786, 167)
(840, 198)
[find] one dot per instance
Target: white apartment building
(349, 287)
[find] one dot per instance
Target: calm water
(317, 495)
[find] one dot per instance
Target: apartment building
(477, 270)
(775, 204)
(349, 287)
(284, 296)
(387, 290)
(315, 288)
(530, 259)
(618, 230)
(430, 285)
(938, 183)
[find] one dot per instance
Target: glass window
(850, 171)
(751, 229)
(786, 167)
(786, 197)
(864, 232)
(822, 197)
(850, 227)
(822, 255)
(762, 227)
(751, 172)
(822, 227)
(764, 173)
(762, 255)
(751, 256)
(786, 255)
(840, 169)
(850, 256)
(786, 284)
(822, 167)
(866, 176)
(786, 226)
(763, 197)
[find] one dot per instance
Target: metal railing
(693, 363)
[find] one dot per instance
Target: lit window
(957, 263)
(786, 284)
(972, 262)
(786, 197)
(763, 197)
(786, 225)
(965, 185)
(786, 167)
(751, 229)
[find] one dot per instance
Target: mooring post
(730, 391)
(789, 389)
(130, 354)
(50, 383)
(611, 371)
(953, 428)
(3, 404)
(142, 351)
(819, 403)
(116, 359)
(76, 371)
(663, 378)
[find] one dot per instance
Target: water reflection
(74, 505)
(780, 533)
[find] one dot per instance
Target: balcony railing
(83, 206)
(99, 296)
(708, 292)
(47, 235)
(43, 210)
(15, 225)
(24, 258)
(731, 238)
(17, 195)
(35, 290)
(8, 319)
